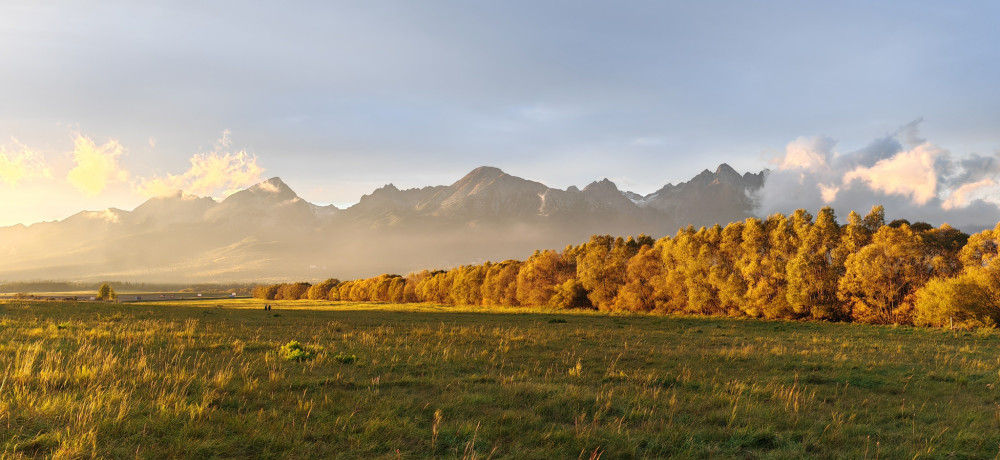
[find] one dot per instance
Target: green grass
(214, 379)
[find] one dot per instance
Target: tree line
(791, 267)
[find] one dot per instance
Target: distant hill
(268, 232)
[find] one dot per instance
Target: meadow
(226, 379)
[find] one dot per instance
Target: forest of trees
(793, 267)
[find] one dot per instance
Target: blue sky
(338, 98)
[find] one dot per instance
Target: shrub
(963, 301)
(295, 351)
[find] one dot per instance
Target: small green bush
(294, 351)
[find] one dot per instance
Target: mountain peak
(271, 190)
(389, 189)
(724, 168)
(725, 174)
(483, 176)
(273, 185)
(603, 185)
(483, 173)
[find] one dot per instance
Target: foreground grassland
(208, 379)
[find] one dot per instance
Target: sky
(107, 103)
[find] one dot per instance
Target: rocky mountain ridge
(268, 232)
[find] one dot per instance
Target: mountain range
(267, 232)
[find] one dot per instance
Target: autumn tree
(467, 285)
(875, 219)
(540, 276)
(644, 281)
(767, 247)
(387, 288)
(814, 272)
(321, 291)
(942, 246)
(981, 249)
(880, 279)
(674, 282)
(754, 249)
(570, 294)
(266, 292)
(500, 283)
(292, 291)
(600, 267)
(970, 299)
(853, 236)
(725, 274)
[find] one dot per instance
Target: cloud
(808, 153)
(217, 173)
(975, 168)
(21, 163)
(96, 167)
(912, 177)
(910, 173)
(828, 192)
(966, 193)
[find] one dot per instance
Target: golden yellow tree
(880, 279)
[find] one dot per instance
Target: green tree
(106, 292)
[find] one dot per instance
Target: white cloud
(828, 192)
(808, 153)
(911, 176)
(269, 187)
(96, 167)
(966, 193)
(21, 163)
(211, 174)
(107, 215)
(910, 173)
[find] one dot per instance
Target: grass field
(210, 379)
